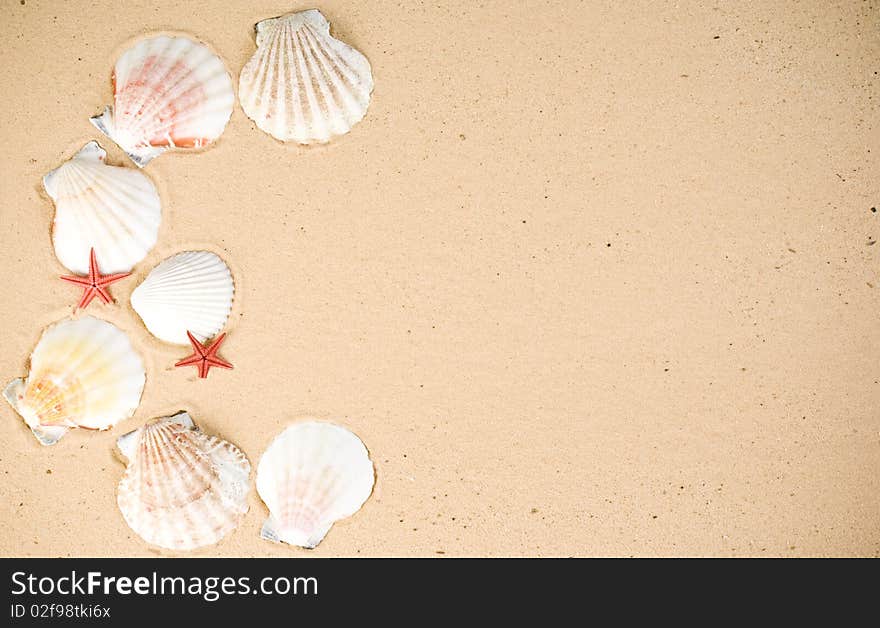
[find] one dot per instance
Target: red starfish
(95, 284)
(204, 357)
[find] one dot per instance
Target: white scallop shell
(182, 489)
(312, 475)
(112, 209)
(190, 291)
(83, 373)
(302, 84)
(168, 92)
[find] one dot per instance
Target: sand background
(591, 278)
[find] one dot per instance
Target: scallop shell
(169, 92)
(312, 475)
(83, 373)
(182, 489)
(302, 84)
(190, 291)
(112, 209)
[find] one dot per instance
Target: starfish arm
(80, 281)
(106, 280)
(215, 346)
(203, 369)
(87, 297)
(105, 296)
(196, 345)
(215, 361)
(93, 266)
(189, 360)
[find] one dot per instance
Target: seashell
(312, 475)
(169, 92)
(302, 84)
(83, 373)
(182, 489)
(188, 291)
(112, 209)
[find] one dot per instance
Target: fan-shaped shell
(168, 92)
(312, 475)
(182, 489)
(302, 84)
(83, 373)
(112, 209)
(188, 291)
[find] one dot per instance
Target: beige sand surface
(591, 278)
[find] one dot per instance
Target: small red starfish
(95, 284)
(204, 357)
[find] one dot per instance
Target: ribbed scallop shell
(83, 373)
(189, 291)
(302, 84)
(312, 475)
(182, 489)
(112, 209)
(168, 92)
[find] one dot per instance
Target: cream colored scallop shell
(182, 489)
(190, 291)
(112, 209)
(83, 373)
(312, 475)
(302, 84)
(169, 92)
